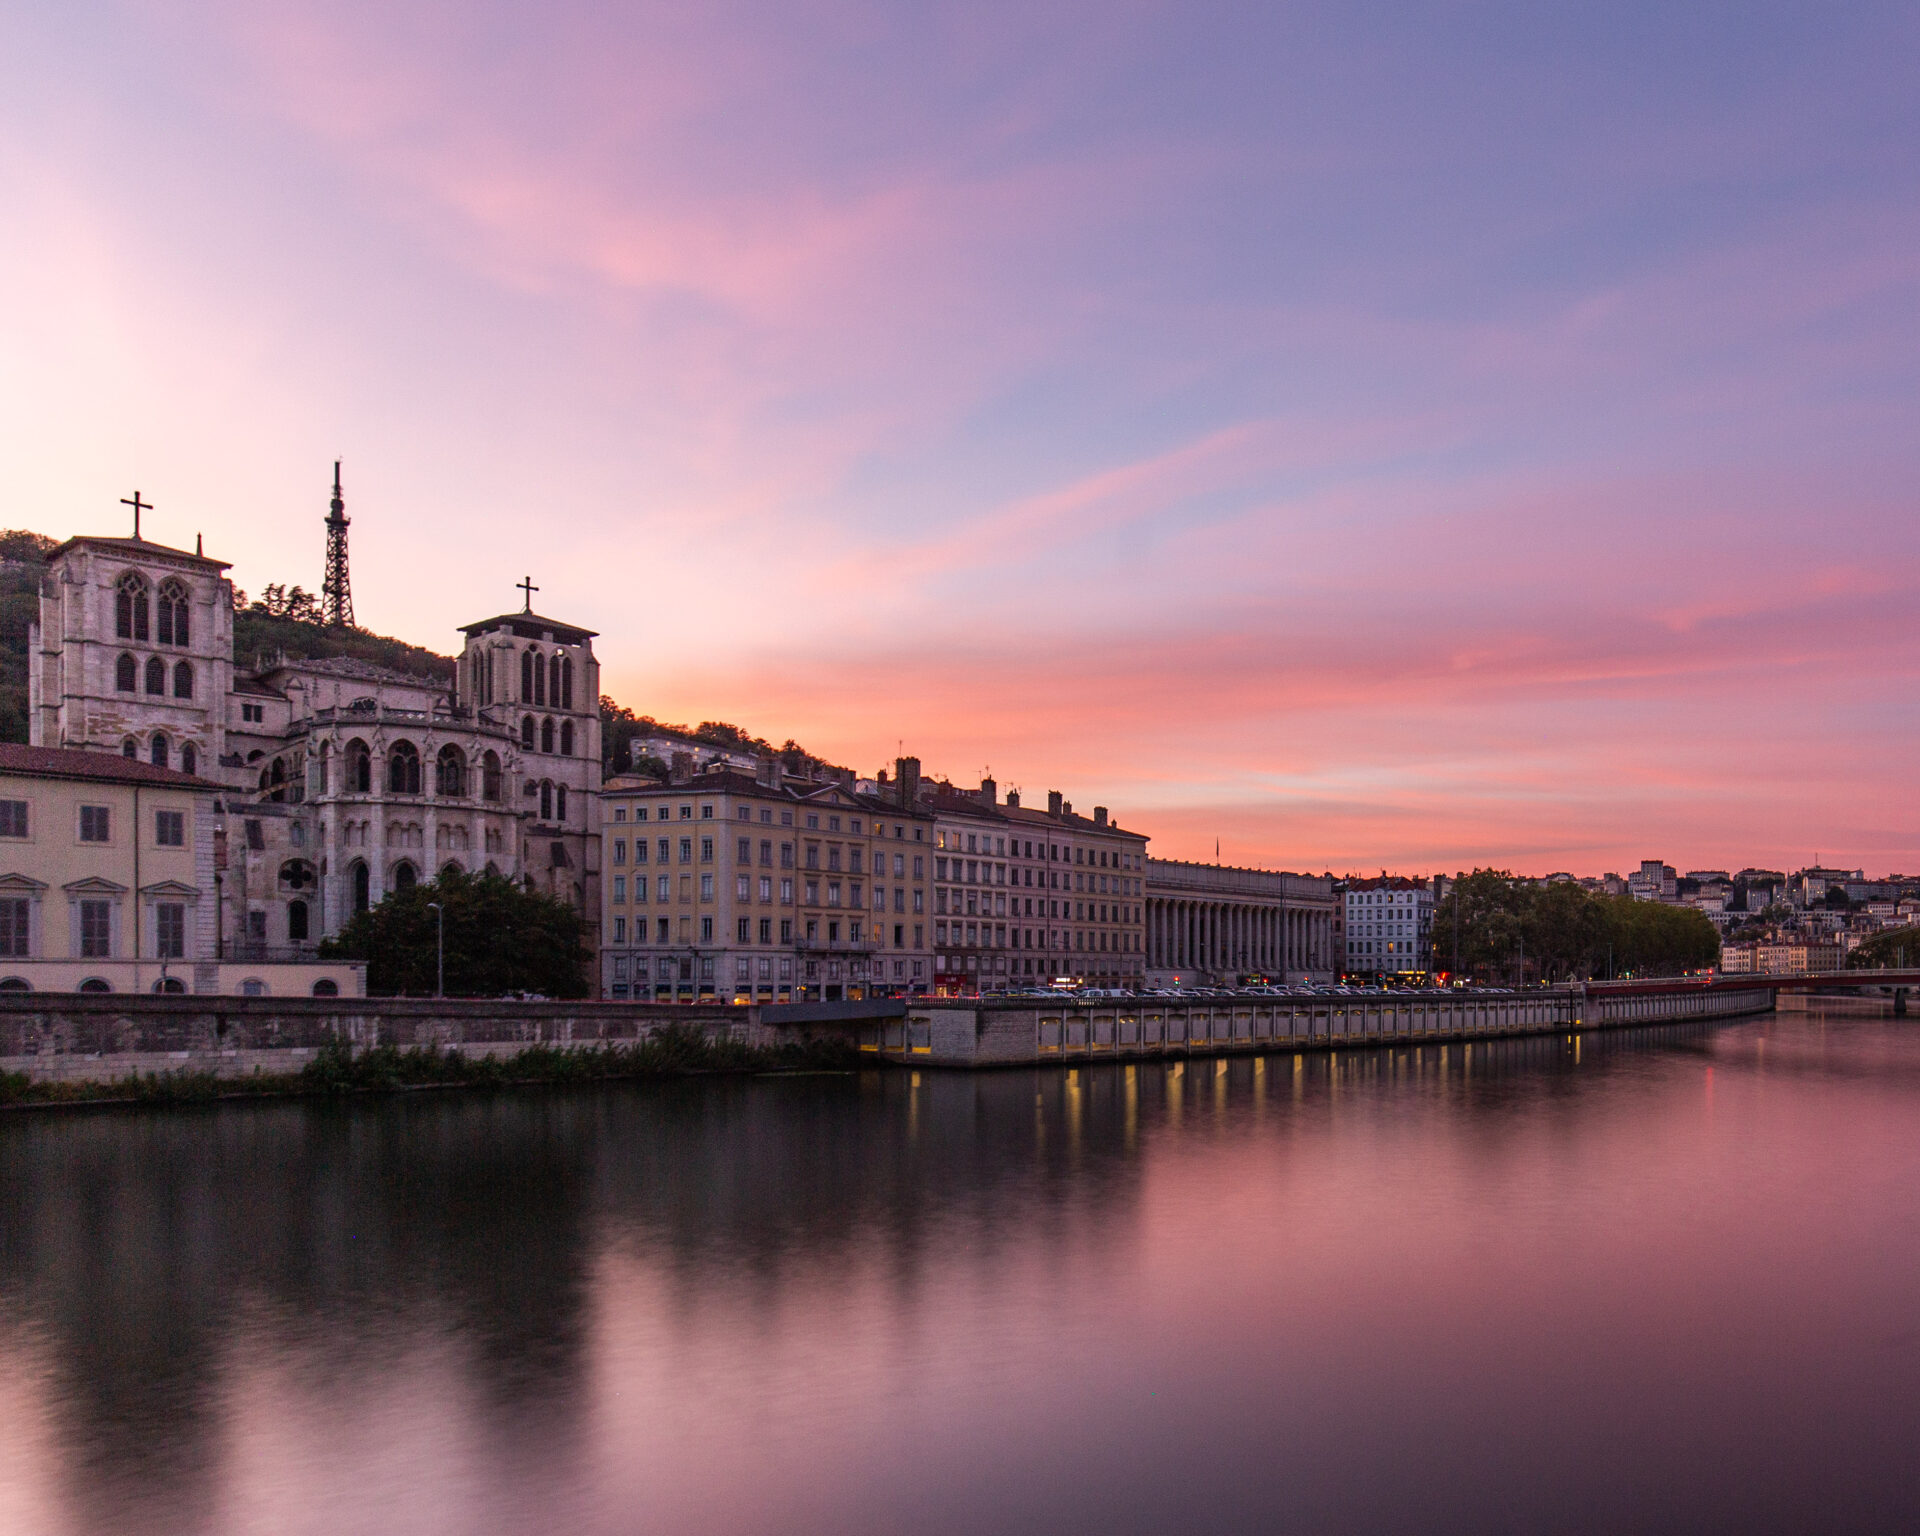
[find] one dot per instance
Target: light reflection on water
(1658, 1281)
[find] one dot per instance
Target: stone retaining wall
(101, 1037)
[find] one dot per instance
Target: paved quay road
(1647, 1280)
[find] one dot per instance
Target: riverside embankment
(73, 1047)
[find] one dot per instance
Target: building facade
(111, 881)
(1214, 925)
(341, 781)
(1026, 898)
(1389, 926)
(761, 887)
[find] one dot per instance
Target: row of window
(982, 872)
(160, 752)
(856, 826)
(403, 771)
(133, 602)
(1000, 936)
(546, 736)
(543, 679)
(127, 673)
(95, 824)
(767, 930)
(981, 904)
(96, 924)
(743, 854)
(252, 986)
(1064, 853)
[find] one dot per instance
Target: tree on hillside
(499, 939)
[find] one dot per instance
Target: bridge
(1015, 1031)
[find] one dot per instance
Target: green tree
(1897, 948)
(499, 939)
(1565, 932)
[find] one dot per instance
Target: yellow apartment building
(109, 882)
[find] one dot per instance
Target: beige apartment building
(760, 887)
(111, 880)
(1024, 897)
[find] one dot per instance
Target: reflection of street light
(439, 949)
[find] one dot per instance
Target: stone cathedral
(343, 780)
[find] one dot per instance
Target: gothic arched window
(359, 768)
(553, 688)
(317, 770)
(403, 769)
(450, 773)
(526, 677)
(130, 748)
(172, 613)
(361, 882)
(546, 800)
(566, 738)
(526, 732)
(126, 674)
(560, 803)
(449, 869)
(566, 683)
(156, 676)
(182, 680)
(296, 922)
(490, 776)
(276, 776)
(189, 760)
(546, 734)
(159, 750)
(539, 678)
(405, 876)
(130, 607)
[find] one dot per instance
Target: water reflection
(1557, 1283)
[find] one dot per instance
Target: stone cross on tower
(138, 506)
(529, 588)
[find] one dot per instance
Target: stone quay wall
(102, 1037)
(1027, 1033)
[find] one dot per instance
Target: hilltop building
(342, 781)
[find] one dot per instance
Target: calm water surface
(1666, 1282)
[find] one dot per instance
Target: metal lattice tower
(336, 594)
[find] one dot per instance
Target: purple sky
(1371, 435)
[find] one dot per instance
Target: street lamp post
(439, 949)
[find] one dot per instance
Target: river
(1655, 1281)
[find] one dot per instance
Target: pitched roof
(139, 549)
(94, 767)
(530, 626)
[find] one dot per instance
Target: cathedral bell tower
(133, 651)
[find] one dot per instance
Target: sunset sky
(1371, 435)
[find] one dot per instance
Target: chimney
(1013, 799)
(1053, 802)
(881, 778)
(1066, 807)
(1099, 815)
(766, 770)
(989, 792)
(906, 771)
(680, 769)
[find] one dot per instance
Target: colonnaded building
(348, 780)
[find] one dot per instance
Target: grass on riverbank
(669, 1052)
